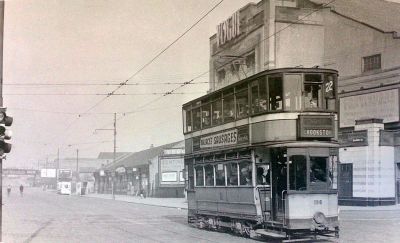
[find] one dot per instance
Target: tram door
(264, 188)
(398, 182)
(279, 183)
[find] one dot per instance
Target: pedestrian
(8, 190)
(21, 190)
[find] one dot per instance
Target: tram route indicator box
(316, 126)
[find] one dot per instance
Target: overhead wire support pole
(77, 165)
(114, 129)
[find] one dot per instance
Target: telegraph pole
(77, 164)
(57, 166)
(115, 152)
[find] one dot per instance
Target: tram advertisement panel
(229, 137)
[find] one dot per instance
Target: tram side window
(187, 118)
(258, 96)
(318, 173)
(312, 91)
(206, 115)
(209, 173)
(242, 102)
(216, 107)
(298, 172)
(219, 175)
(229, 107)
(199, 176)
(246, 175)
(275, 93)
(232, 174)
(196, 119)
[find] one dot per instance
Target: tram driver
(263, 174)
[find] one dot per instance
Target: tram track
(34, 234)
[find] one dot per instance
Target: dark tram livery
(261, 154)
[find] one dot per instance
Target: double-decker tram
(261, 155)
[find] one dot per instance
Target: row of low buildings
(157, 172)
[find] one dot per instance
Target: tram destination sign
(229, 137)
(316, 126)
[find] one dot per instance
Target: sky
(76, 43)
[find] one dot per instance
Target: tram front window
(313, 91)
(318, 173)
(298, 172)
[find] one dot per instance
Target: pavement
(179, 203)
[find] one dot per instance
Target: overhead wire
(95, 94)
(191, 81)
(97, 84)
(146, 65)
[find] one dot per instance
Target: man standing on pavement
(21, 190)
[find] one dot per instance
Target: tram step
(274, 223)
(270, 234)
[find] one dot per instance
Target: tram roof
(266, 72)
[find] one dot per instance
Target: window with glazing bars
(372, 62)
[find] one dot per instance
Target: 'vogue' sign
(229, 29)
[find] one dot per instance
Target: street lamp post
(115, 151)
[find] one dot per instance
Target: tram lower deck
(275, 191)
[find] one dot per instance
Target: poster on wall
(169, 176)
(381, 105)
(170, 170)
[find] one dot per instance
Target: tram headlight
(319, 218)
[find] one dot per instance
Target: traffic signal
(5, 121)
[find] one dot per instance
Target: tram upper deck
(274, 106)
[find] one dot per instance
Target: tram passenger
(246, 175)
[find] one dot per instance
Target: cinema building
(359, 39)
